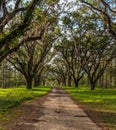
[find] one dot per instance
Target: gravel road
(57, 111)
(61, 113)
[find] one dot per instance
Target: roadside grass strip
(100, 104)
(11, 97)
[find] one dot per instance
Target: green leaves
(38, 11)
(66, 20)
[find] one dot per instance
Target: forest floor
(55, 111)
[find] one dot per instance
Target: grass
(100, 104)
(11, 97)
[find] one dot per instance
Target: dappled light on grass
(13, 96)
(106, 97)
(100, 103)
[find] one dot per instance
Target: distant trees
(46, 45)
(109, 77)
(67, 52)
(97, 58)
(59, 72)
(105, 12)
(9, 76)
(28, 58)
(91, 46)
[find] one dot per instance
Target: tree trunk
(106, 80)
(36, 81)
(76, 82)
(92, 85)
(3, 76)
(102, 81)
(59, 82)
(69, 80)
(64, 83)
(29, 82)
(115, 74)
(110, 76)
(44, 82)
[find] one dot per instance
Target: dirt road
(58, 112)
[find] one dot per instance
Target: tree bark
(115, 74)
(76, 82)
(92, 84)
(36, 81)
(44, 82)
(64, 83)
(29, 82)
(69, 80)
(106, 80)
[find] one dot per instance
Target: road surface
(57, 112)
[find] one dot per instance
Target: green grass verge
(11, 97)
(100, 104)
